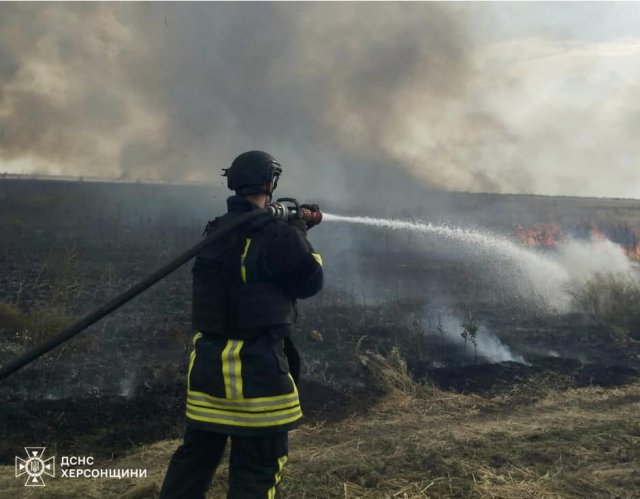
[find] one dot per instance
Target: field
(575, 443)
(398, 404)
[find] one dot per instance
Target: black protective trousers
(255, 465)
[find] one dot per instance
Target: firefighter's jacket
(244, 292)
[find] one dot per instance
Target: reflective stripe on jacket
(244, 289)
(240, 386)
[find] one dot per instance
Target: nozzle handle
(311, 217)
(282, 211)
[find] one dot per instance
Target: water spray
(548, 276)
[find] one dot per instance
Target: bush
(609, 298)
(612, 300)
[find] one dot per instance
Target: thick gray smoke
(354, 98)
(174, 91)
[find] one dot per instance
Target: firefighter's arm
(292, 262)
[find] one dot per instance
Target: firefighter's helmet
(253, 172)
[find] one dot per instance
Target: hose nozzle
(311, 217)
(287, 208)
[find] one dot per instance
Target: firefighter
(240, 383)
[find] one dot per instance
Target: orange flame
(597, 234)
(633, 252)
(541, 235)
(550, 236)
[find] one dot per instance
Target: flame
(629, 243)
(550, 235)
(633, 252)
(597, 235)
(541, 235)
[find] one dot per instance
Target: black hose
(129, 294)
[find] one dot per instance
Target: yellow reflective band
(242, 423)
(243, 268)
(236, 388)
(295, 388)
(236, 419)
(252, 400)
(264, 416)
(243, 405)
(232, 369)
(248, 412)
(225, 368)
(196, 337)
(281, 462)
(192, 358)
(317, 258)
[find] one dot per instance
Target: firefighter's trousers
(255, 465)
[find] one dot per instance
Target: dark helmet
(253, 172)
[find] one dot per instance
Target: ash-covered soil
(496, 378)
(68, 247)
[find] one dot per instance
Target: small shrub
(469, 333)
(612, 300)
(609, 298)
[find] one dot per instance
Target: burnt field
(394, 298)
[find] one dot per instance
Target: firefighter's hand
(312, 208)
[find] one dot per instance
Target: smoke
(127, 384)
(357, 100)
(489, 347)
(175, 91)
(584, 260)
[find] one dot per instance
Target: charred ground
(66, 247)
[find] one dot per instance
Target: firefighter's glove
(312, 208)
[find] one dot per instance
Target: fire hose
(278, 210)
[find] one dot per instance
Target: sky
(356, 99)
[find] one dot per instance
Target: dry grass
(613, 301)
(418, 442)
